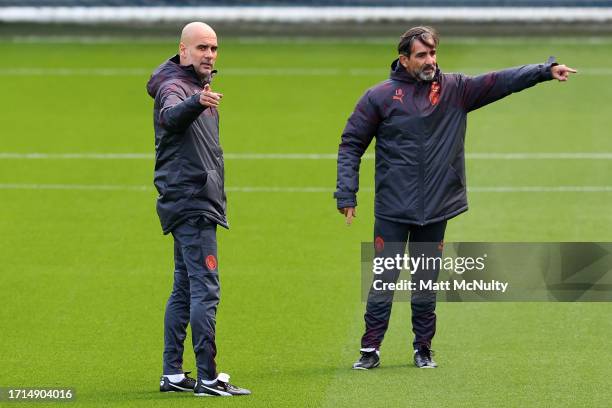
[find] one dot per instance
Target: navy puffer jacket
(189, 171)
(420, 134)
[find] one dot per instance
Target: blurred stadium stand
(312, 18)
(312, 3)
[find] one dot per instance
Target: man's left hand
(562, 72)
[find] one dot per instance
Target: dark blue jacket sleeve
(481, 90)
(356, 137)
(177, 111)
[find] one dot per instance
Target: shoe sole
(216, 393)
(366, 369)
(427, 366)
(229, 395)
(178, 390)
(181, 388)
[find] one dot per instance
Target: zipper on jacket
(422, 178)
(421, 165)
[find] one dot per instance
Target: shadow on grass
(155, 398)
(312, 373)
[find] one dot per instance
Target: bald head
(198, 47)
(193, 31)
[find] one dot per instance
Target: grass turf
(85, 274)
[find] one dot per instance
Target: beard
(203, 72)
(427, 73)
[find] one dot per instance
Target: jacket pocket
(397, 192)
(212, 192)
(212, 187)
(458, 175)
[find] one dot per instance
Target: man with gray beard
(418, 117)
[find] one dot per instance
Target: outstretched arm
(178, 111)
(481, 90)
(356, 138)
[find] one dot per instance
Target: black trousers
(194, 298)
(425, 241)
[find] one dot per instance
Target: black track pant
(194, 298)
(423, 302)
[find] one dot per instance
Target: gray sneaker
(422, 358)
(368, 360)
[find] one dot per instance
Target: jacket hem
(180, 220)
(426, 222)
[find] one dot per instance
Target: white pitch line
(74, 71)
(285, 156)
(541, 189)
(264, 189)
(302, 156)
(95, 187)
(540, 156)
(331, 40)
(68, 156)
(144, 71)
(283, 189)
(271, 72)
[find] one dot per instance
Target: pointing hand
(562, 72)
(210, 98)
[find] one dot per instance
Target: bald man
(191, 204)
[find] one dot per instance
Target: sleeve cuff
(345, 200)
(194, 103)
(547, 73)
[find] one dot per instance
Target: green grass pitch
(85, 273)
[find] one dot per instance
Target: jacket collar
(190, 72)
(399, 73)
